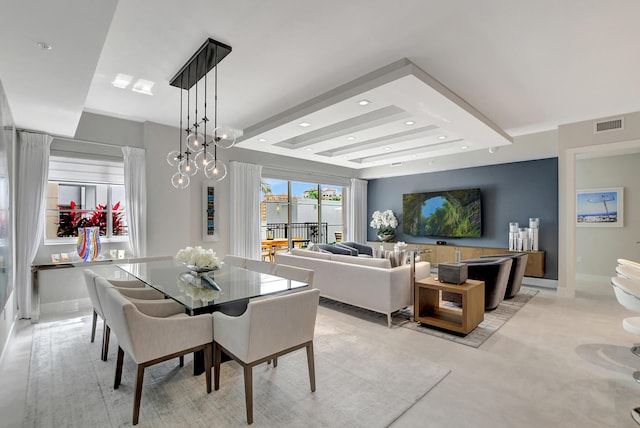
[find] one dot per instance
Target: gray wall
(510, 192)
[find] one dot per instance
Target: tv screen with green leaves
(446, 213)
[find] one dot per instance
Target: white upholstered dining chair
(130, 289)
(235, 260)
(268, 329)
(295, 273)
(260, 266)
(150, 336)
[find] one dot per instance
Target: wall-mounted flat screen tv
(446, 213)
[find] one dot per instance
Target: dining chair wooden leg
(216, 366)
(248, 391)
(93, 326)
(120, 359)
(181, 360)
(105, 341)
(275, 362)
(138, 394)
(312, 368)
(208, 357)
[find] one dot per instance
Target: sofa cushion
(364, 261)
(311, 254)
(336, 250)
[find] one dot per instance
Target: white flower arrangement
(385, 222)
(199, 257)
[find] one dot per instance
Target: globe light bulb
(203, 159)
(173, 158)
(195, 141)
(216, 170)
(188, 167)
(180, 181)
(224, 137)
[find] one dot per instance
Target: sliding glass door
(296, 213)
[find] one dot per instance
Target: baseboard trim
(585, 277)
(65, 306)
(540, 282)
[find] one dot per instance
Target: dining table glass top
(203, 292)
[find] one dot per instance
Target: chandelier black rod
(189, 74)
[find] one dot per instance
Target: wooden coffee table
(428, 309)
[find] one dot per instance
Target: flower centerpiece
(199, 259)
(385, 223)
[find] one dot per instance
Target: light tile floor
(559, 362)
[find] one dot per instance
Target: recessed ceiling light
(414, 156)
(122, 80)
(304, 124)
(409, 122)
(464, 147)
(351, 137)
(387, 148)
(143, 86)
(309, 149)
(364, 102)
(44, 46)
(262, 140)
(442, 137)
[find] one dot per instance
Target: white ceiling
(477, 73)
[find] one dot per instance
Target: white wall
(579, 139)
(597, 248)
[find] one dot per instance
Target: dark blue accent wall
(510, 192)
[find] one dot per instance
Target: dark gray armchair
(494, 273)
(518, 266)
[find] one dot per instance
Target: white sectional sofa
(365, 282)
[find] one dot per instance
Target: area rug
(359, 383)
(493, 320)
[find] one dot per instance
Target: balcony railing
(306, 231)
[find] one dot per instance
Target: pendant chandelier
(196, 152)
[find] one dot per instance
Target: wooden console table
(428, 310)
(436, 254)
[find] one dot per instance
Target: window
(305, 212)
(85, 193)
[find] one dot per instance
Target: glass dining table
(227, 289)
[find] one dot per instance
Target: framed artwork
(600, 207)
(209, 231)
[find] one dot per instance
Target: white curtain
(135, 191)
(356, 215)
(245, 210)
(33, 171)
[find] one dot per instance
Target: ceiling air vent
(609, 125)
(396, 164)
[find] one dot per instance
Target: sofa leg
(389, 319)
